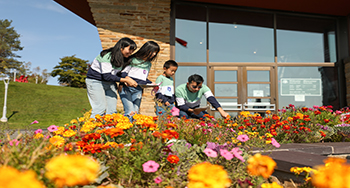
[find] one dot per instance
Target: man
(188, 97)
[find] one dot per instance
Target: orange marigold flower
(157, 134)
(171, 125)
(173, 159)
(261, 165)
(57, 141)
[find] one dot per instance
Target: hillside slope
(49, 105)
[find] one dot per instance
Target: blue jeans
(102, 96)
(131, 99)
(163, 109)
(192, 115)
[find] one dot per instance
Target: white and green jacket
(138, 70)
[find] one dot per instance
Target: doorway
(244, 88)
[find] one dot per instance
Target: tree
(71, 71)
(9, 43)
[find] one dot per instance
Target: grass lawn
(50, 105)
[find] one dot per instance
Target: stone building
(254, 55)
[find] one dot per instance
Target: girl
(137, 70)
(102, 77)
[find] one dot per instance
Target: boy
(165, 93)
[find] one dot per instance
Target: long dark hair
(146, 51)
(117, 58)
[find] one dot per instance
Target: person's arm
(212, 100)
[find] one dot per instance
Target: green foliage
(49, 105)
(9, 43)
(71, 71)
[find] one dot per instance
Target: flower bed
(164, 152)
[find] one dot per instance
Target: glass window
(258, 76)
(308, 86)
(183, 72)
(301, 39)
(239, 36)
(258, 90)
(226, 76)
(190, 33)
(226, 90)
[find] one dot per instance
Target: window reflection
(190, 26)
(238, 36)
(298, 86)
(183, 72)
(301, 39)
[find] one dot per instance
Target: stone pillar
(140, 20)
(347, 79)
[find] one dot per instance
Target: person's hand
(223, 113)
(167, 103)
(120, 87)
(130, 82)
(196, 111)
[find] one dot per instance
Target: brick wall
(140, 20)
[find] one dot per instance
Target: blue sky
(49, 32)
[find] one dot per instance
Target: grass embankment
(49, 105)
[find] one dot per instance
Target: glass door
(244, 88)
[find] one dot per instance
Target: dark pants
(189, 115)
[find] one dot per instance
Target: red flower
(304, 109)
(326, 120)
(322, 134)
(317, 112)
(173, 159)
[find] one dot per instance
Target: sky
(50, 32)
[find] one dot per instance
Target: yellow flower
(73, 121)
(107, 186)
(261, 165)
(206, 175)
(268, 135)
(59, 131)
(13, 178)
(72, 170)
(335, 173)
(290, 119)
(81, 119)
(69, 133)
(38, 135)
(271, 185)
(57, 141)
(300, 115)
(88, 126)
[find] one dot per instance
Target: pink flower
(275, 143)
(158, 180)
(150, 166)
(52, 128)
(210, 153)
(38, 131)
(237, 153)
(175, 111)
(14, 141)
(226, 154)
(243, 138)
(34, 122)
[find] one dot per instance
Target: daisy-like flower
(11, 177)
(150, 166)
(237, 153)
(210, 153)
(52, 128)
(69, 133)
(173, 159)
(38, 135)
(243, 138)
(14, 142)
(57, 141)
(226, 154)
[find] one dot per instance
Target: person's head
(121, 50)
(148, 52)
(170, 68)
(194, 83)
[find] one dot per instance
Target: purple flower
(212, 145)
(275, 143)
(14, 142)
(38, 131)
(210, 153)
(34, 122)
(52, 128)
(226, 154)
(150, 166)
(175, 111)
(158, 180)
(237, 153)
(243, 138)
(188, 145)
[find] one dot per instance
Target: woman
(103, 74)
